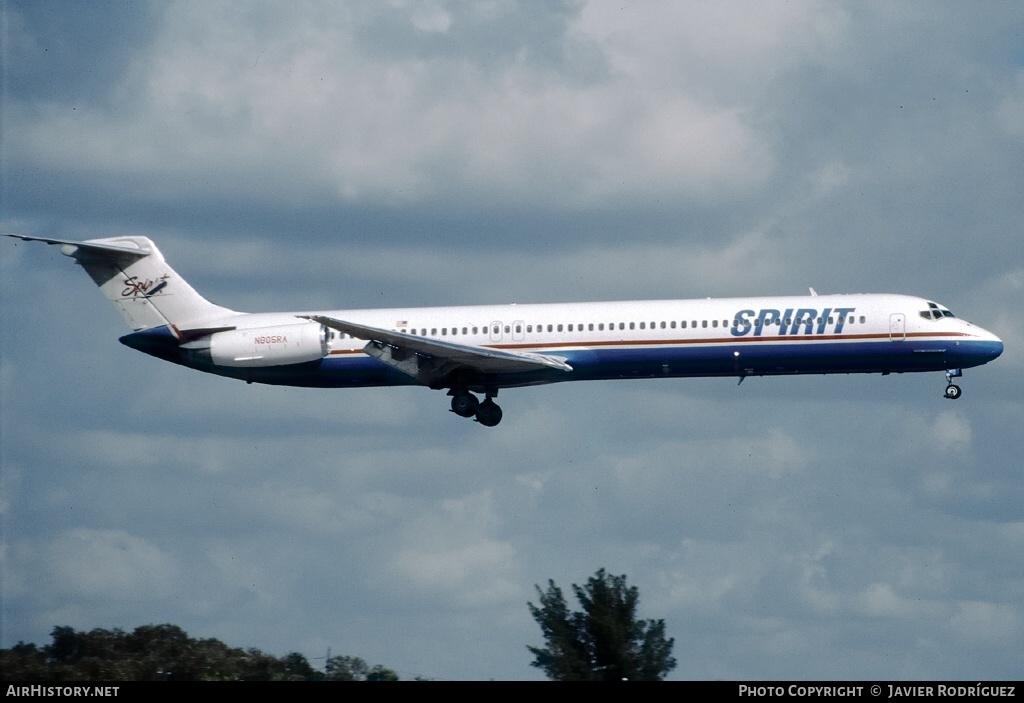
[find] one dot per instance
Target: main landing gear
(465, 404)
(952, 390)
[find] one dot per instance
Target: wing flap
(397, 349)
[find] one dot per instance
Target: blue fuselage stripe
(354, 369)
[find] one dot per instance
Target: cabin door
(897, 327)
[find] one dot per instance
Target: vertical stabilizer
(134, 276)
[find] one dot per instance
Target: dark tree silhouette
(604, 641)
(164, 652)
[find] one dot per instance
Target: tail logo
(135, 288)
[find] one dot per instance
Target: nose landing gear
(952, 390)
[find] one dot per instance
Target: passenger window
(642, 325)
(704, 324)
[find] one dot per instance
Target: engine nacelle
(261, 346)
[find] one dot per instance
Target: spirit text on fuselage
(791, 321)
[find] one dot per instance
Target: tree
(165, 652)
(356, 669)
(604, 641)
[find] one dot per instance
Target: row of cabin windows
(601, 326)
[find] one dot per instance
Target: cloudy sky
(363, 154)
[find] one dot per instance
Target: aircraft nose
(991, 345)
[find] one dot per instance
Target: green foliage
(602, 642)
(158, 652)
(380, 673)
(355, 669)
(346, 669)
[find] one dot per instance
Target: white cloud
(992, 624)
(449, 550)
(951, 432)
(1010, 111)
(234, 100)
(882, 600)
(733, 49)
(102, 563)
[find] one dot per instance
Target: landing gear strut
(952, 390)
(465, 404)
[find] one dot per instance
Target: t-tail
(134, 276)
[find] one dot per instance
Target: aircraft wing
(427, 359)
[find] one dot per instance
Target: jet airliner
(474, 351)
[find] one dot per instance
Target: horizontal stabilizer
(70, 248)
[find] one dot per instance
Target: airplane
(477, 350)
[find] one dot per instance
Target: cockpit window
(935, 312)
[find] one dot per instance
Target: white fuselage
(870, 333)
